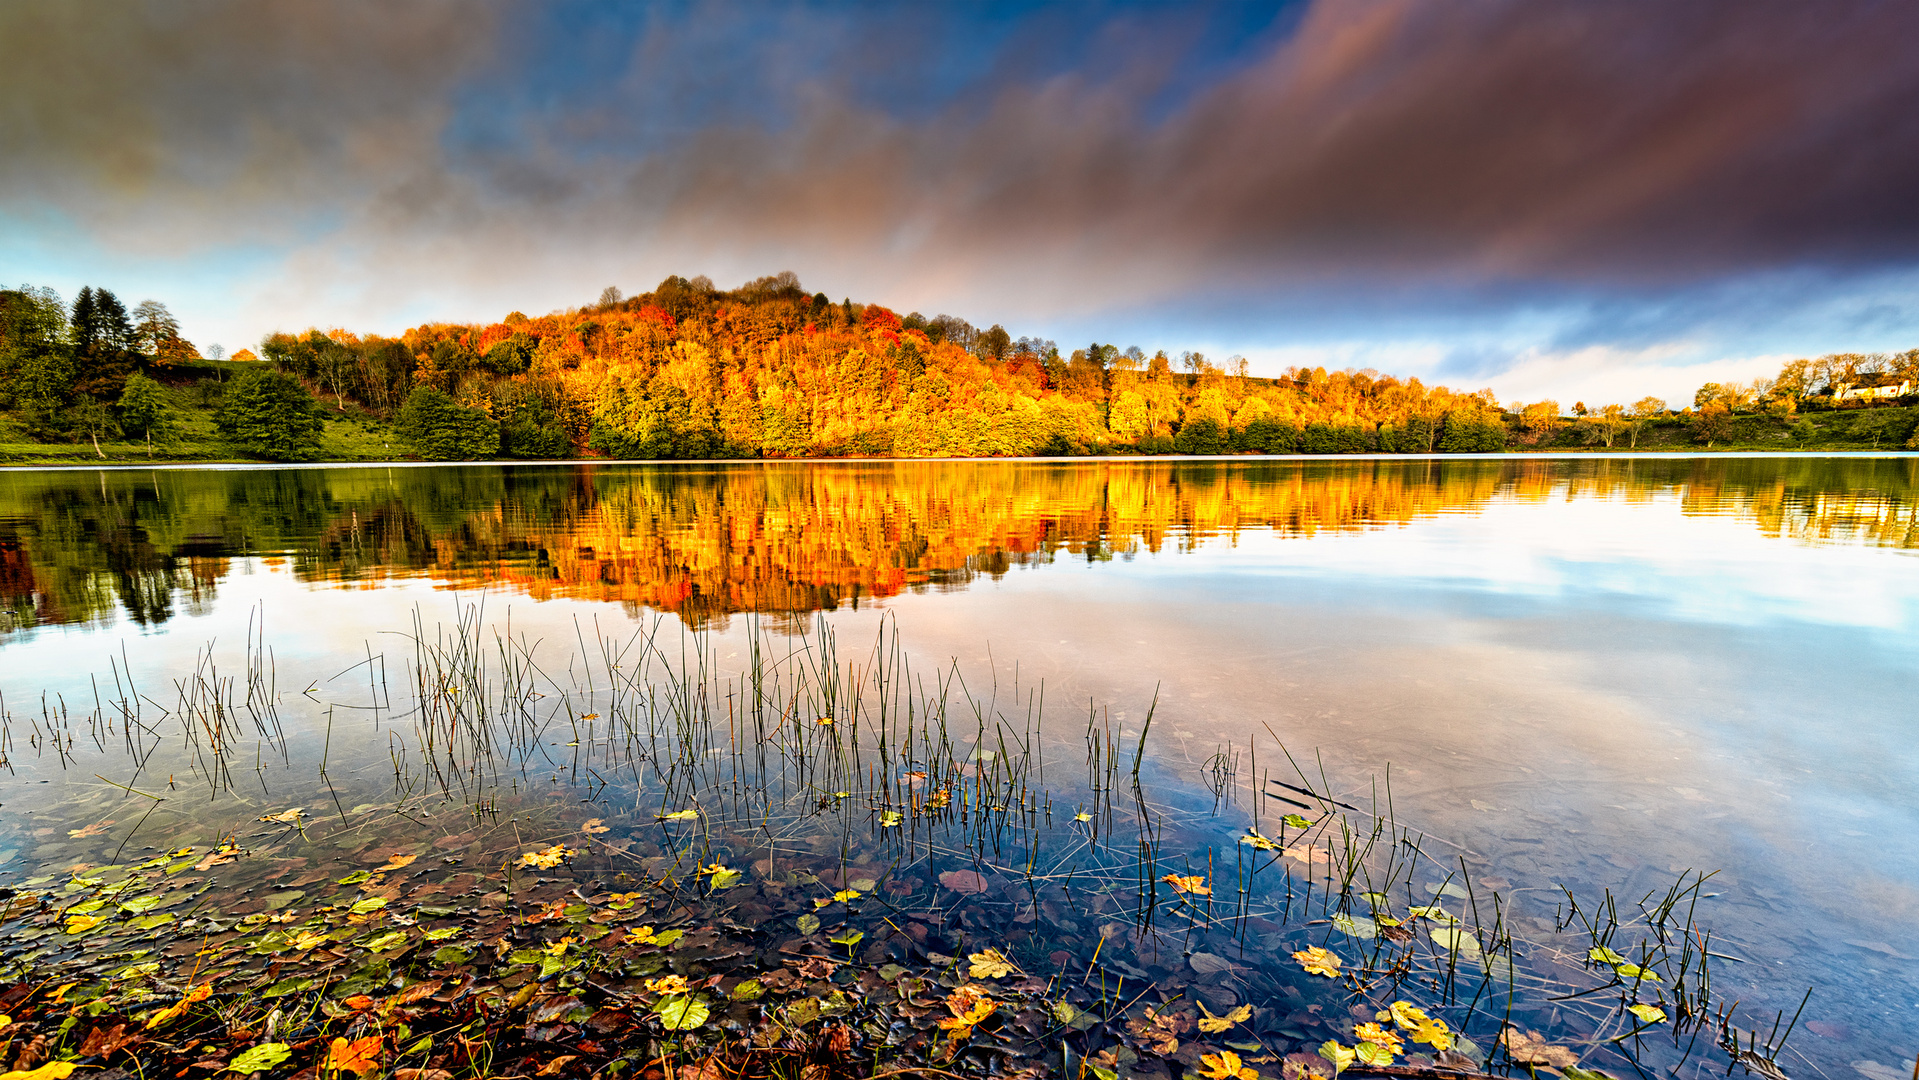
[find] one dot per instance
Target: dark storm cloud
(208, 110)
(1611, 145)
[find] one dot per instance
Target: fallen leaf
(285, 817)
(260, 1058)
(104, 1042)
(682, 1012)
(1224, 1065)
(967, 882)
(1528, 1048)
(594, 827)
(1194, 883)
(1340, 1056)
(397, 862)
(552, 1068)
(92, 830)
(548, 858)
(808, 924)
(173, 1012)
(1213, 1025)
(1308, 854)
(1208, 964)
(1380, 1037)
(991, 964)
(1318, 961)
(52, 1070)
(360, 1056)
(890, 819)
(1647, 1014)
(1260, 843)
(1297, 822)
(679, 815)
(80, 924)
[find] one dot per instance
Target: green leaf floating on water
(1574, 1072)
(750, 990)
(1456, 940)
(808, 924)
(141, 904)
(889, 819)
(682, 1012)
(1634, 971)
(386, 941)
(679, 815)
(1604, 955)
(260, 1058)
(848, 937)
(356, 877)
(1297, 822)
(1359, 927)
(1648, 1014)
(371, 903)
(725, 879)
(442, 933)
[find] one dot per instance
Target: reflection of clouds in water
(1700, 568)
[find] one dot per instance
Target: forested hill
(766, 370)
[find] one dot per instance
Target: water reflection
(706, 542)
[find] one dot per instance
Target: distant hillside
(766, 370)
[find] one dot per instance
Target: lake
(1575, 674)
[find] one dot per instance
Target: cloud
(1492, 159)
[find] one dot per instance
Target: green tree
(143, 410)
(270, 415)
(442, 429)
(1201, 436)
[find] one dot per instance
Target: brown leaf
(422, 1074)
(967, 882)
(552, 1068)
(817, 967)
(104, 1041)
(1530, 1049)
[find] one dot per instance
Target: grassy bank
(352, 433)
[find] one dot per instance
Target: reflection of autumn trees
(789, 539)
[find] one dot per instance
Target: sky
(1582, 201)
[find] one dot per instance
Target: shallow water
(1583, 672)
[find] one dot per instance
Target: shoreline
(122, 465)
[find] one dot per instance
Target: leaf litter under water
(473, 939)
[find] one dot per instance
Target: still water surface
(1585, 672)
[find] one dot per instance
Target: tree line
(687, 370)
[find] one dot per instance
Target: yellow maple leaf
(1225, 1065)
(173, 1012)
(1194, 883)
(1213, 1025)
(669, 984)
(1318, 961)
(1379, 1036)
(991, 964)
(548, 858)
(361, 1056)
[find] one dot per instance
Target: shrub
(442, 429)
(269, 414)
